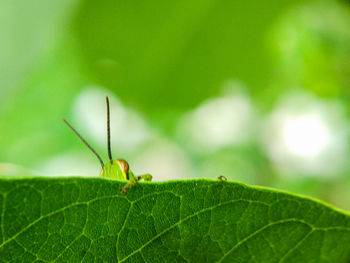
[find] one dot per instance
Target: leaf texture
(88, 220)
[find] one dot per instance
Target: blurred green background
(255, 91)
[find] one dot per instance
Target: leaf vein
(2, 218)
(295, 246)
(185, 219)
(258, 231)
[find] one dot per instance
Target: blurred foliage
(175, 54)
(168, 64)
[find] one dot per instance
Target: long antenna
(108, 133)
(86, 143)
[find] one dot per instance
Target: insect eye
(123, 165)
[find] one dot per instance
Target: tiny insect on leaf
(222, 178)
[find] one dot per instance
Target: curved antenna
(108, 133)
(86, 143)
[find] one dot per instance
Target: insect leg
(145, 177)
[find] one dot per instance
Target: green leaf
(88, 220)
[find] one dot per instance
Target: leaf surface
(88, 220)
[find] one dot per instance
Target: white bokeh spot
(305, 135)
(218, 122)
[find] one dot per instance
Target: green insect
(116, 169)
